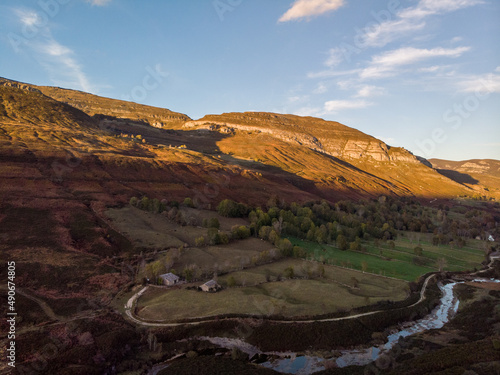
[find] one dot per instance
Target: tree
(441, 263)
(435, 240)
(321, 271)
(354, 246)
(289, 272)
(364, 266)
(188, 274)
(264, 232)
(418, 251)
(229, 208)
(286, 247)
(154, 269)
(200, 241)
(274, 237)
(355, 282)
(155, 206)
(299, 252)
(188, 202)
(240, 231)
(213, 222)
(213, 236)
(231, 282)
(341, 242)
(144, 204)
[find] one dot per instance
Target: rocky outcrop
(328, 137)
(18, 85)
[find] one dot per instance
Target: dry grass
(223, 258)
(146, 229)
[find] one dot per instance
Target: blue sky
(421, 74)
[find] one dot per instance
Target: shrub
(341, 242)
(299, 252)
(188, 202)
(200, 241)
(229, 208)
(231, 282)
(418, 251)
(289, 272)
(286, 247)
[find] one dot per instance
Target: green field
(398, 262)
(296, 297)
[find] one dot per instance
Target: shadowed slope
(482, 175)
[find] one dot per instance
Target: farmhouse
(169, 279)
(210, 286)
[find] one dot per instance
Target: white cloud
(28, 17)
(293, 99)
(332, 73)
(99, 3)
(335, 57)
(430, 69)
(411, 19)
(482, 84)
(320, 89)
(56, 58)
(334, 106)
(308, 8)
(386, 64)
(368, 91)
(388, 31)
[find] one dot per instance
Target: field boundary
(129, 307)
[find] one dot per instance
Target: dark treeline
(347, 223)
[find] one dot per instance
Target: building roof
(169, 277)
(211, 284)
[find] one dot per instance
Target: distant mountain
(110, 150)
(481, 175)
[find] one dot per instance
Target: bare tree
(441, 263)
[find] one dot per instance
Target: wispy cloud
(387, 63)
(484, 84)
(27, 17)
(309, 8)
(368, 91)
(334, 106)
(332, 73)
(320, 88)
(99, 3)
(335, 57)
(412, 19)
(59, 60)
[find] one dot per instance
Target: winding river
(292, 363)
(445, 310)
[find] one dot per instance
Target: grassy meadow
(399, 262)
(315, 290)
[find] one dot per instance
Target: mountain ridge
(297, 157)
